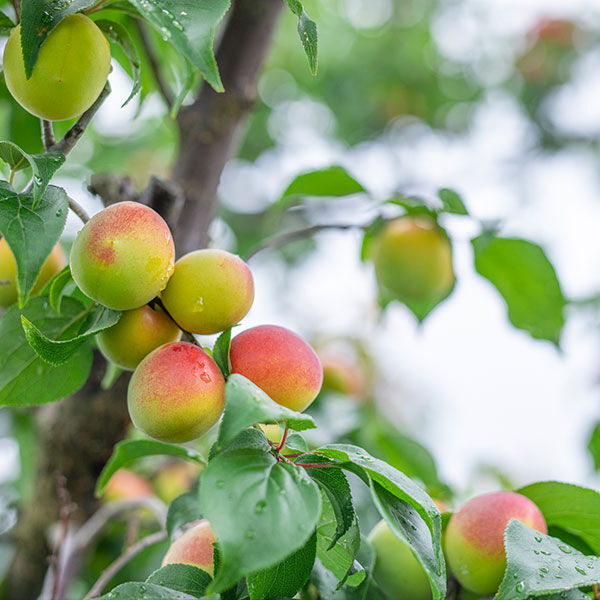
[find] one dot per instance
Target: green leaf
(31, 230)
(332, 182)
(452, 202)
(336, 553)
(128, 451)
(43, 166)
(285, 578)
(570, 507)
(182, 578)
(594, 446)
(538, 565)
(6, 24)
(307, 30)
(406, 524)
(334, 483)
(247, 495)
(220, 352)
(38, 20)
(247, 405)
(147, 591)
(56, 287)
(404, 453)
(26, 380)
(526, 279)
(183, 510)
(59, 351)
(189, 26)
(395, 482)
(119, 35)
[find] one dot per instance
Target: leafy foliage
(522, 273)
(539, 564)
(129, 451)
(25, 379)
(31, 230)
(307, 30)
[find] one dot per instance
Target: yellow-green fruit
(123, 256)
(413, 260)
(69, 74)
(138, 332)
(175, 479)
(397, 571)
(209, 291)
(55, 262)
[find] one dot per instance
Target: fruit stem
(78, 210)
(283, 438)
(157, 301)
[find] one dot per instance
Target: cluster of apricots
(124, 258)
(473, 546)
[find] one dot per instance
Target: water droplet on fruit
(565, 549)
(538, 539)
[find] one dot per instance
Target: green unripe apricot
(138, 332)
(474, 538)
(413, 260)
(8, 272)
(397, 571)
(69, 74)
(123, 256)
(209, 291)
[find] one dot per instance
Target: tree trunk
(77, 434)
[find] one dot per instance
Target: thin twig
(291, 236)
(78, 210)
(96, 7)
(120, 562)
(283, 438)
(72, 136)
(66, 510)
(47, 134)
(17, 6)
(163, 86)
(82, 539)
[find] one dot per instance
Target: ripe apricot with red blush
(177, 393)
(279, 362)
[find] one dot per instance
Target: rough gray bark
(211, 127)
(77, 434)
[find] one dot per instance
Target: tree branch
(290, 236)
(211, 127)
(118, 564)
(47, 134)
(72, 136)
(78, 210)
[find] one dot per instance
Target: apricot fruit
(474, 539)
(55, 262)
(397, 571)
(175, 479)
(177, 393)
(280, 363)
(342, 375)
(194, 547)
(126, 485)
(138, 332)
(209, 291)
(413, 260)
(123, 257)
(69, 74)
